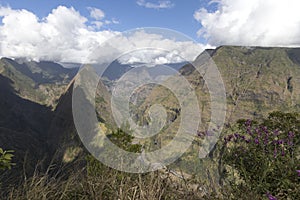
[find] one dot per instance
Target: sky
(70, 30)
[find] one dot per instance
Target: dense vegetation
(260, 160)
(265, 156)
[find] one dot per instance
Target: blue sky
(128, 13)
(70, 30)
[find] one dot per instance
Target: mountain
(23, 128)
(257, 81)
(116, 69)
(42, 82)
(34, 130)
(29, 93)
(62, 133)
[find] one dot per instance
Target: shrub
(6, 159)
(265, 155)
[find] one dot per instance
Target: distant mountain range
(42, 82)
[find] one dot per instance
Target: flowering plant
(265, 154)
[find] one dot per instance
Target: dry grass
(108, 184)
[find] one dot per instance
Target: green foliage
(265, 156)
(120, 138)
(6, 159)
(285, 122)
(124, 140)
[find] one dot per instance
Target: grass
(104, 183)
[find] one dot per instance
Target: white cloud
(144, 47)
(98, 16)
(251, 22)
(113, 21)
(96, 13)
(61, 36)
(97, 24)
(158, 5)
(66, 36)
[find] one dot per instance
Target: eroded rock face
(257, 81)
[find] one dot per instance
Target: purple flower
(280, 142)
(209, 133)
(249, 131)
(290, 143)
(266, 141)
(248, 122)
(264, 129)
(298, 171)
(271, 197)
(258, 132)
(276, 132)
(282, 151)
(291, 135)
(256, 141)
(229, 137)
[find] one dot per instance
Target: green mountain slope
(28, 89)
(257, 81)
(41, 82)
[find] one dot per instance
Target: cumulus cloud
(142, 46)
(96, 13)
(251, 22)
(61, 36)
(158, 5)
(98, 16)
(66, 36)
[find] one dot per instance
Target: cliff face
(257, 81)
